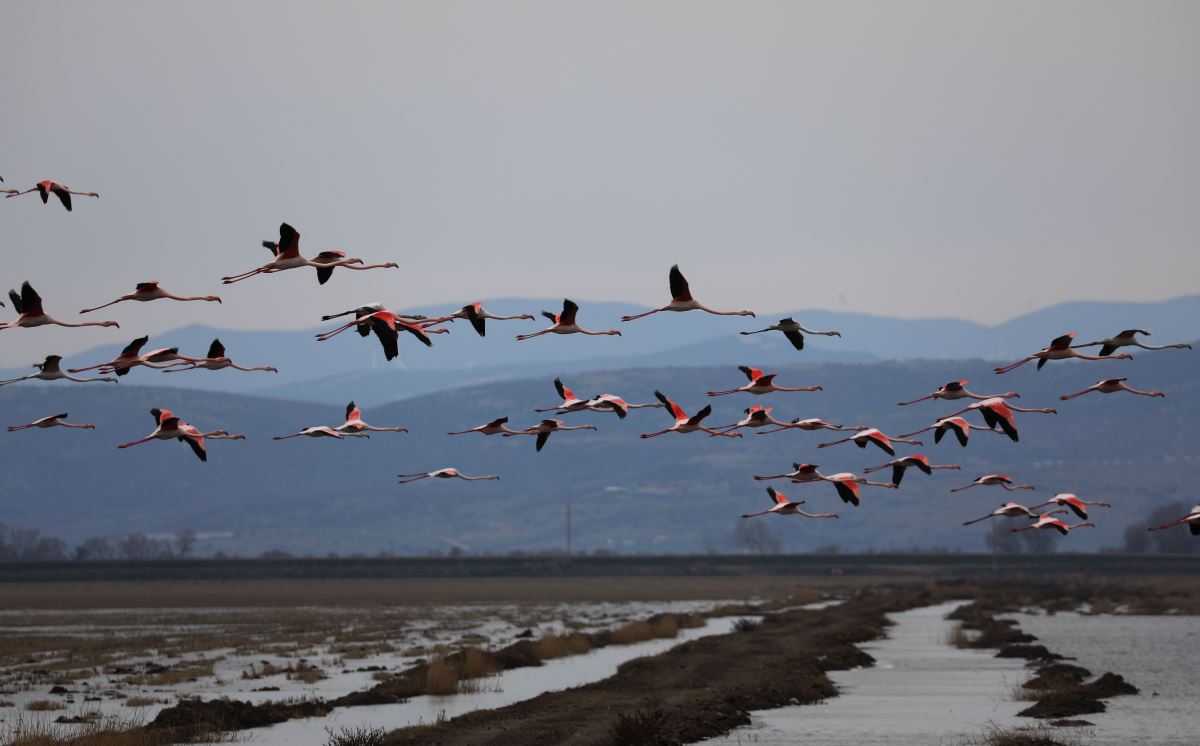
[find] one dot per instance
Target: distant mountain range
(674, 493)
(324, 372)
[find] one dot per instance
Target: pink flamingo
(495, 427)
(29, 305)
(900, 465)
(148, 291)
(996, 411)
(570, 402)
(957, 425)
(447, 473)
(327, 261)
(49, 370)
(1059, 349)
(287, 256)
(812, 424)
(169, 427)
(682, 300)
(683, 423)
(131, 357)
(1191, 520)
(54, 420)
(478, 316)
(564, 323)
(958, 390)
(784, 506)
(1077, 506)
(873, 435)
(756, 416)
(215, 360)
(1128, 338)
(988, 480)
(1047, 521)
(793, 331)
(387, 327)
(354, 423)
(1010, 510)
(321, 431)
(47, 187)
(847, 484)
(800, 474)
(1111, 386)
(760, 384)
(544, 429)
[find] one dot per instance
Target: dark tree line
(28, 544)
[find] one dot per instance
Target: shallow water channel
(503, 689)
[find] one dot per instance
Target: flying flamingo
(478, 316)
(793, 331)
(544, 428)
(570, 402)
(760, 384)
(1010, 510)
(784, 506)
(1047, 521)
(1191, 520)
(811, 424)
(564, 323)
(354, 423)
(447, 473)
(614, 403)
(495, 427)
(1059, 349)
(996, 411)
(321, 431)
(801, 473)
(682, 300)
(1076, 505)
(1111, 386)
(327, 261)
(131, 357)
(148, 291)
(900, 465)
(54, 420)
(683, 423)
(215, 360)
(957, 425)
(958, 390)
(1128, 338)
(995, 479)
(872, 435)
(756, 416)
(168, 427)
(847, 484)
(46, 188)
(364, 328)
(29, 305)
(387, 327)
(49, 370)
(287, 256)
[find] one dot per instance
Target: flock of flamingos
(996, 411)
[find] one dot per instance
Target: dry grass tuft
(441, 677)
(476, 664)
(560, 646)
(44, 705)
(957, 636)
(143, 702)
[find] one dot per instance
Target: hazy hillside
(312, 371)
(674, 493)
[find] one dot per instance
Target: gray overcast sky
(950, 158)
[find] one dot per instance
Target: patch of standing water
(920, 692)
(1160, 655)
(503, 689)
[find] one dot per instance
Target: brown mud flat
(700, 689)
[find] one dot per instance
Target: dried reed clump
(260, 670)
(44, 705)
(441, 677)
(476, 664)
(957, 637)
(361, 735)
(142, 701)
(558, 646)
(639, 728)
(745, 624)
(665, 626)
(305, 672)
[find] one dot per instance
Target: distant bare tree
(95, 548)
(1039, 541)
(48, 549)
(1001, 539)
(756, 537)
(185, 541)
(140, 547)
(1137, 538)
